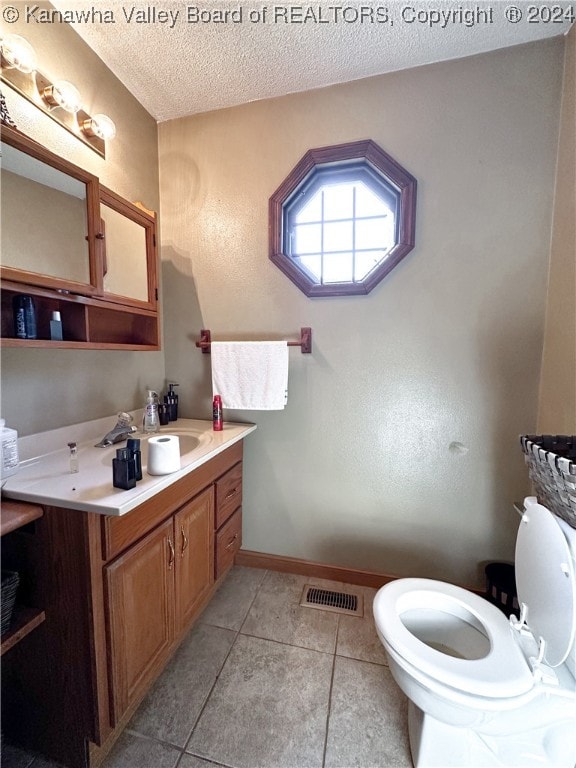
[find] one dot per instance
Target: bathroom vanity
(119, 588)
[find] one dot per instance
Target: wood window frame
(392, 174)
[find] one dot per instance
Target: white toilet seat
(502, 673)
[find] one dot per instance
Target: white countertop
(46, 478)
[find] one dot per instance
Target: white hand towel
(250, 375)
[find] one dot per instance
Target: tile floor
(261, 682)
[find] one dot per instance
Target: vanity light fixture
(17, 53)
(59, 99)
(63, 94)
(99, 125)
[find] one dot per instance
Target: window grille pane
(374, 233)
(338, 201)
(365, 262)
(369, 204)
(311, 264)
(338, 267)
(311, 211)
(307, 239)
(338, 236)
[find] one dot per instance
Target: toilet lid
(545, 582)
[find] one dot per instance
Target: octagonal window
(342, 219)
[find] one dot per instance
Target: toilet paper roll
(163, 455)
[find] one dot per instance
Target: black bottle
(163, 413)
(123, 472)
(135, 454)
(171, 400)
(24, 317)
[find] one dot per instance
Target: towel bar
(305, 342)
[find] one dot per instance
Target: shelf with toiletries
(86, 323)
(81, 259)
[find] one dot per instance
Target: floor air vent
(327, 600)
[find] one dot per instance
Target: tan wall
(363, 469)
(360, 469)
(43, 389)
(557, 411)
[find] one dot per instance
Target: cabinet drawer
(228, 542)
(228, 494)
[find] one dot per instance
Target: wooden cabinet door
(194, 531)
(140, 615)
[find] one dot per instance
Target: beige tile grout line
(207, 699)
(329, 708)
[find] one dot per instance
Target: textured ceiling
(178, 58)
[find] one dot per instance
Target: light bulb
(63, 94)
(17, 53)
(101, 126)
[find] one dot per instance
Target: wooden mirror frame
(147, 220)
(23, 143)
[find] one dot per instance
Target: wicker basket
(10, 581)
(551, 461)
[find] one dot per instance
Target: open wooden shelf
(24, 620)
(15, 515)
(87, 323)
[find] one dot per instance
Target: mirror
(129, 264)
(49, 208)
(43, 218)
(62, 230)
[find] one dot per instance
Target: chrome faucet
(120, 432)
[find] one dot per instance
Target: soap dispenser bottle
(151, 421)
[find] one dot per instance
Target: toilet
(484, 690)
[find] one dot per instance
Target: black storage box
(501, 586)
